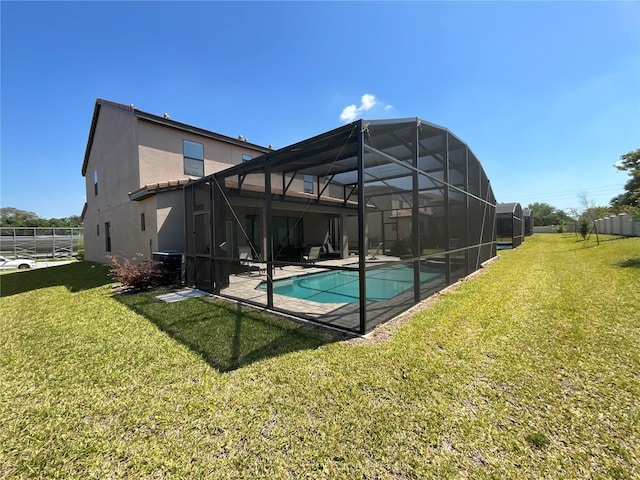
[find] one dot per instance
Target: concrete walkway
(53, 263)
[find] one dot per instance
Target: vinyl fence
(621, 224)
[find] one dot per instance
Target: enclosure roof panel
(332, 152)
(388, 144)
(309, 156)
(507, 207)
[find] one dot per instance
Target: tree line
(13, 217)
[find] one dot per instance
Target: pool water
(341, 286)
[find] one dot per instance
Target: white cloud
(368, 101)
(351, 112)
(388, 108)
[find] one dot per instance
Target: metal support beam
(466, 207)
(268, 231)
(285, 188)
(347, 197)
(362, 247)
(320, 192)
(447, 210)
(415, 217)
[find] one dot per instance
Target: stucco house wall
(170, 220)
(129, 150)
(161, 153)
(113, 161)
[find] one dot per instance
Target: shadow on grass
(74, 276)
(227, 336)
(630, 263)
(592, 242)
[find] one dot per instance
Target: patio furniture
(247, 260)
(329, 252)
(313, 256)
(375, 255)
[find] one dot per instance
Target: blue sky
(546, 94)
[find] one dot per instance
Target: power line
(600, 191)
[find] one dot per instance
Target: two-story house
(135, 165)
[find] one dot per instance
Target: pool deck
(342, 315)
(244, 287)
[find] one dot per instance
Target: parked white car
(20, 263)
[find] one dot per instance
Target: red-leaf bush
(138, 273)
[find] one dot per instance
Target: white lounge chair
(330, 252)
(248, 260)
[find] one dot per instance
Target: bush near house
(137, 273)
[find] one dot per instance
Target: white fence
(621, 224)
(545, 229)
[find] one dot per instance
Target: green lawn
(530, 370)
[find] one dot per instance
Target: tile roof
(153, 188)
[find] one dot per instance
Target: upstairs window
(308, 184)
(143, 225)
(246, 157)
(193, 158)
(95, 182)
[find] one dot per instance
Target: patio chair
(329, 252)
(247, 260)
(313, 256)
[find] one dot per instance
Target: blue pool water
(341, 286)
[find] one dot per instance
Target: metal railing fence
(40, 242)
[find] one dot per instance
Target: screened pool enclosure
(510, 225)
(348, 228)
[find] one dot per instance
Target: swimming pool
(342, 286)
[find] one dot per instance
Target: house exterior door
(203, 252)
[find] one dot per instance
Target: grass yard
(530, 370)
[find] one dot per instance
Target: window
(95, 182)
(308, 184)
(193, 158)
(107, 236)
(252, 228)
(287, 231)
(143, 226)
(246, 157)
(98, 230)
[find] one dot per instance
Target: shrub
(584, 229)
(80, 255)
(137, 273)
